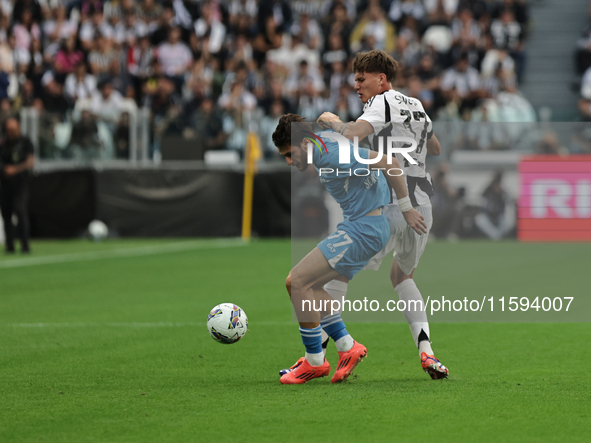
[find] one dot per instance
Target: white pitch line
(130, 324)
(123, 252)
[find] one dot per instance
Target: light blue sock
(312, 339)
(334, 326)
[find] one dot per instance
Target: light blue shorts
(350, 247)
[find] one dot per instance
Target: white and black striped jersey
(392, 113)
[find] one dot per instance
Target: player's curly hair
(376, 62)
(282, 136)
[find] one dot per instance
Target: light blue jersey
(356, 188)
(358, 191)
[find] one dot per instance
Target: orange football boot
(304, 372)
(347, 362)
(433, 367)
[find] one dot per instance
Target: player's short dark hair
(376, 62)
(282, 134)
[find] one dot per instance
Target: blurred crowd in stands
(210, 70)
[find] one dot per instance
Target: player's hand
(329, 117)
(416, 221)
(10, 170)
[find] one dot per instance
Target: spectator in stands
(80, 85)
(84, 142)
(401, 9)
(441, 11)
(342, 108)
(26, 30)
(211, 26)
(237, 99)
(466, 31)
(304, 77)
(165, 24)
(127, 31)
(174, 57)
(336, 50)
(338, 21)
(207, 125)
(26, 97)
(59, 27)
(121, 137)
(4, 82)
(429, 73)
(53, 94)
(103, 59)
(517, 7)
(67, 58)
(36, 68)
(415, 89)
(508, 34)
(140, 61)
(274, 94)
(150, 12)
(375, 27)
(237, 106)
(268, 126)
(270, 36)
(106, 103)
(165, 104)
(311, 8)
(408, 46)
(32, 6)
(461, 85)
(279, 10)
(309, 32)
(93, 26)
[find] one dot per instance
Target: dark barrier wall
(61, 204)
(158, 203)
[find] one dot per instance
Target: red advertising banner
(554, 198)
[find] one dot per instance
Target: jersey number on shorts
(343, 243)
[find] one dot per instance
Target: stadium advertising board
(555, 198)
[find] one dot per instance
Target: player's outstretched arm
(413, 217)
(433, 146)
(350, 130)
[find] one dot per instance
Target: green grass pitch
(107, 343)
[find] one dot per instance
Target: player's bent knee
(397, 277)
(288, 284)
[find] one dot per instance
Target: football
(98, 230)
(227, 323)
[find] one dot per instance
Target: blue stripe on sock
(334, 326)
(312, 339)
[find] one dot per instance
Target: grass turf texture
(114, 348)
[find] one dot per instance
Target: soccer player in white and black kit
(388, 112)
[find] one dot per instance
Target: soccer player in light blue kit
(362, 194)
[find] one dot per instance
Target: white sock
(344, 343)
(416, 318)
(315, 359)
(425, 346)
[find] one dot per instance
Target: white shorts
(408, 246)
